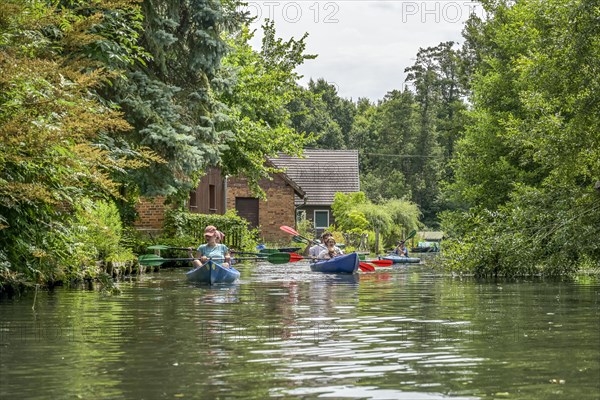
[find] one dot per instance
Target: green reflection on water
(284, 331)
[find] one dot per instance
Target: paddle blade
(158, 247)
(279, 258)
(411, 235)
(381, 263)
(366, 267)
(289, 230)
(163, 247)
(295, 257)
(150, 260)
(298, 239)
(268, 251)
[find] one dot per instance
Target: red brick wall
(272, 213)
(276, 211)
(151, 213)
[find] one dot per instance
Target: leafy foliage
(319, 110)
(171, 98)
(265, 83)
(355, 214)
(190, 227)
(51, 126)
(529, 160)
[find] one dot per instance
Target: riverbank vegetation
(105, 101)
(526, 168)
(495, 141)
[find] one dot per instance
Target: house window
(193, 201)
(321, 219)
(212, 198)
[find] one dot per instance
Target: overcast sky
(363, 46)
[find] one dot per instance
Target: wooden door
(247, 208)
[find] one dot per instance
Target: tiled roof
(322, 173)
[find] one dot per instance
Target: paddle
(152, 260)
(362, 265)
(409, 236)
(293, 257)
(163, 247)
(292, 231)
(260, 255)
(381, 263)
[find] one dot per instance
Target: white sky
(363, 46)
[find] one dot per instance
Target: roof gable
(322, 173)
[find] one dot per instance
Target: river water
(284, 331)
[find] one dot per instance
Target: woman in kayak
(212, 249)
(331, 251)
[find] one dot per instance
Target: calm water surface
(283, 331)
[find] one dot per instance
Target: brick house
(305, 189)
(321, 174)
(278, 208)
(216, 194)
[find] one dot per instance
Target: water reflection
(284, 331)
(214, 294)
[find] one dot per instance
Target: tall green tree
(388, 163)
(53, 126)
(171, 99)
(311, 114)
(341, 110)
(527, 166)
(437, 83)
(264, 83)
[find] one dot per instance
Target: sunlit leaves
(264, 84)
(528, 162)
(51, 125)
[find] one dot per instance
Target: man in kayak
(401, 249)
(315, 248)
(212, 249)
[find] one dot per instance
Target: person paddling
(401, 249)
(212, 249)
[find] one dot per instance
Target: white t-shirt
(324, 254)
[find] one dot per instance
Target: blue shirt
(217, 251)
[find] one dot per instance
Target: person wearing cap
(313, 250)
(401, 249)
(212, 249)
(331, 251)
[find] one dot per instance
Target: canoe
(211, 272)
(400, 259)
(345, 264)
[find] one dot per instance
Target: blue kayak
(400, 259)
(345, 264)
(211, 272)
